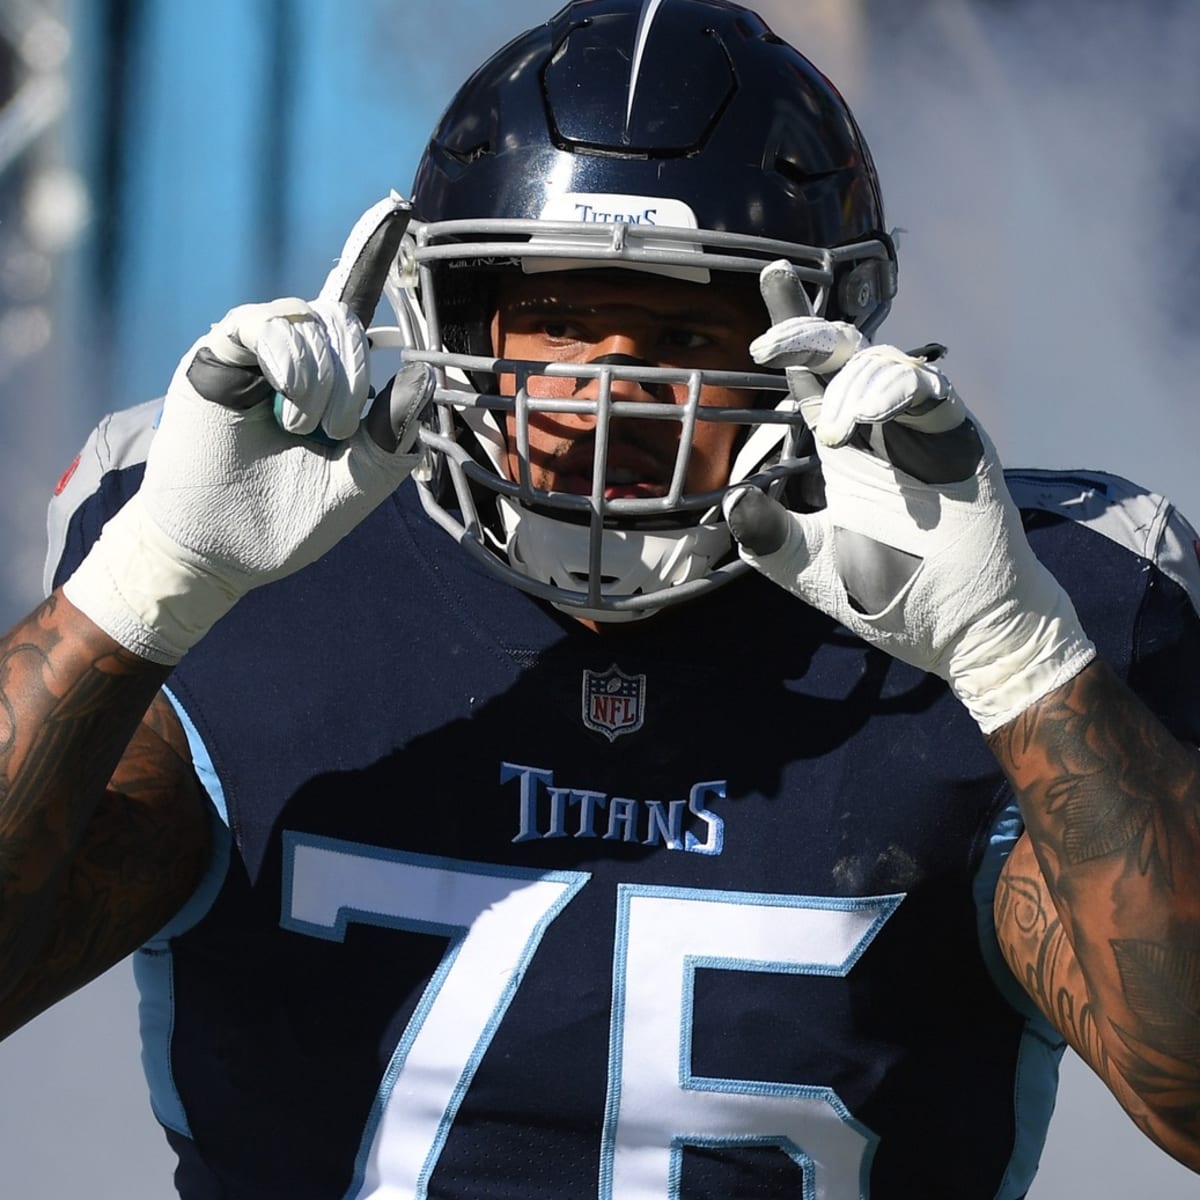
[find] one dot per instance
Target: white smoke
(1038, 158)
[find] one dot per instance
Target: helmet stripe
(645, 21)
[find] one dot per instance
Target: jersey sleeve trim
(153, 964)
(203, 898)
(1041, 1046)
(154, 974)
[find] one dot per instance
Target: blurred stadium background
(161, 161)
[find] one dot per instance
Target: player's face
(582, 316)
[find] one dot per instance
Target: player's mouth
(625, 485)
(633, 473)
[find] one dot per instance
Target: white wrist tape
(147, 592)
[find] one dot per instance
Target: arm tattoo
(1037, 949)
(1112, 807)
(70, 702)
(132, 871)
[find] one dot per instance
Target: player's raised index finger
(783, 291)
(358, 278)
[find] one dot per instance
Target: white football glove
(235, 495)
(932, 566)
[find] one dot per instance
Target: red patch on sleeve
(66, 476)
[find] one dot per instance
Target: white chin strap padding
(633, 562)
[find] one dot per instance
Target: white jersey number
(494, 919)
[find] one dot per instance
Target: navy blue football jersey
(698, 907)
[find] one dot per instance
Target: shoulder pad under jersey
(1142, 521)
(121, 439)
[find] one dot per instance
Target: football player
(648, 749)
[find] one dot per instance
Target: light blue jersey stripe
(153, 963)
(1041, 1046)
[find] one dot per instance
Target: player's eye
(560, 330)
(685, 339)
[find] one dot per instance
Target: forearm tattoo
(1039, 952)
(1112, 806)
(68, 709)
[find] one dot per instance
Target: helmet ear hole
(864, 290)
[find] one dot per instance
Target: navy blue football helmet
(680, 137)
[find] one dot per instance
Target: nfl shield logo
(613, 702)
